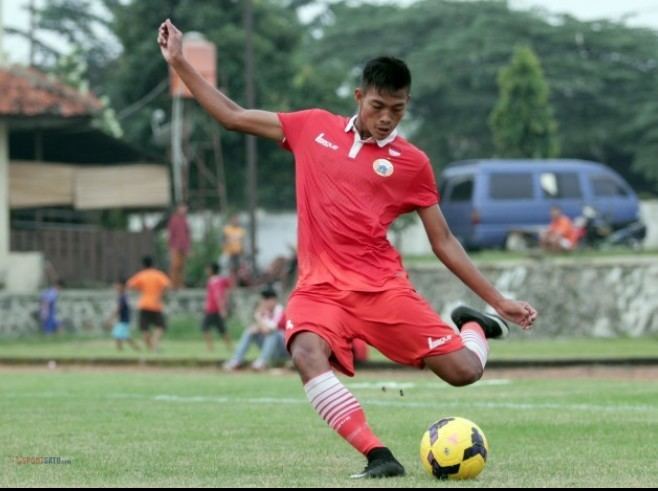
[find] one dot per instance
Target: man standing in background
(233, 244)
(179, 245)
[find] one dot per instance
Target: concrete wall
(649, 214)
(603, 298)
(25, 272)
(597, 298)
(85, 311)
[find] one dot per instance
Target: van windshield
(460, 189)
(606, 187)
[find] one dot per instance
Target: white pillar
(4, 174)
(2, 34)
(4, 197)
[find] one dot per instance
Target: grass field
(155, 427)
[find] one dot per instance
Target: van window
(560, 185)
(605, 186)
(461, 190)
(510, 186)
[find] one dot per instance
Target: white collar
(351, 126)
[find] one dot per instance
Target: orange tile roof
(26, 92)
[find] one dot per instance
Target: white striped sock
(474, 339)
(331, 399)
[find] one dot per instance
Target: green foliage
(202, 253)
(522, 122)
(282, 83)
(603, 76)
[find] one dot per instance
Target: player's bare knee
(465, 375)
(308, 360)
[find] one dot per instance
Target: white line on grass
(387, 384)
(398, 404)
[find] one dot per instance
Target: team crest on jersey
(383, 167)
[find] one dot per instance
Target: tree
(522, 122)
(601, 74)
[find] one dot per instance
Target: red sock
(338, 407)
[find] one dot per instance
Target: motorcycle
(598, 233)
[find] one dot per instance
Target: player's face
(380, 111)
(269, 303)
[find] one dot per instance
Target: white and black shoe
(381, 463)
(494, 327)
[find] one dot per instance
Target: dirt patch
(593, 372)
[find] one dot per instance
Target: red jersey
(349, 191)
(216, 292)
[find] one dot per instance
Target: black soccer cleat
(381, 463)
(494, 326)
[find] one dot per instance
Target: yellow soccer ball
(454, 448)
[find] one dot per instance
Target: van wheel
(516, 242)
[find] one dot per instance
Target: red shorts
(399, 323)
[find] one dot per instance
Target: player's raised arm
(448, 249)
(228, 113)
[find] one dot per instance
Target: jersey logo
(383, 167)
(290, 325)
(435, 343)
(325, 143)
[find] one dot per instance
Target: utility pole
(2, 34)
(177, 155)
(202, 55)
(252, 163)
(32, 9)
(4, 171)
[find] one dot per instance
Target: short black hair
(147, 261)
(214, 267)
(268, 293)
(386, 73)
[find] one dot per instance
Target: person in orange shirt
(561, 234)
(152, 284)
(233, 244)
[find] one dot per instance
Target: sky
(642, 13)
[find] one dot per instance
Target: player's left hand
(521, 313)
(170, 40)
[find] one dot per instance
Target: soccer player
(216, 308)
(354, 176)
(121, 316)
(152, 284)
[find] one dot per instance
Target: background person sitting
(561, 234)
(265, 332)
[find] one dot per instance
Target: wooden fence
(86, 256)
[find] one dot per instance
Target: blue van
(485, 201)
